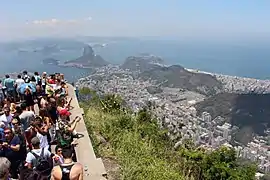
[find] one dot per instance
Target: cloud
(54, 21)
(89, 18)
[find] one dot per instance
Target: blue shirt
(9, 83)
(9, 153)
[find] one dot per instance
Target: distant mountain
(178, 77)
(104, 39)
(152, 67)
(143, 62)
(40, 43)
(250, 112)
(51, 61)
(88, 60)
(46, 50)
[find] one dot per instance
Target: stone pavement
(93, 167)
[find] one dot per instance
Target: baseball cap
(64, 112)
(35, 141)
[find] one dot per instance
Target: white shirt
(19, 82)
(43, 141)
(6, 119)
(43, 103)
(26, 117)
(30, 157)
(43, 81)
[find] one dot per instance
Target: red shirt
(51, 81)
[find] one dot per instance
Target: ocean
(239, 58)
(247, 59)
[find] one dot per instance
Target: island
(88, 60)
(51, 61)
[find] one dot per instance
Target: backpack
(64, 138)
(42, 163)
(31, 174)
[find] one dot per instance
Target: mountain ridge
(154, 68)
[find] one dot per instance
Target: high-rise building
(225, 133)
(238, 150)
(267, 167)
(245, 153)
(262, 160)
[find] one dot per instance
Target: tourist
(77, 91)
(12, 109)
(58, 157)
(51, 79)
(22, 131)
(11, 149)
(52, 110)
(4, 168)
(18, 111)
(19, 81)
(69, 170)
(33, 80)
(27, 117)
(44, 81)
(43, 101)
(37, 78)
(66, 132)
(6, 117)
(18, 131)
(2, 95)
(25, 76)
(7, 102)
(63, 103)
(34, 157)
(39, 95)
(9, 83)
(43, 113)
(57, 84)
(42, 131)
(29, 101)
(61, 76)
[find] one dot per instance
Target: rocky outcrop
(88, 60)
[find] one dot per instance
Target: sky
(172, 18)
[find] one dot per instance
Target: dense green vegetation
(144, 151)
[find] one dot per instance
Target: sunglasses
(59, 150)
(15, 123)
(7, 132)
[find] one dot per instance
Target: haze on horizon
(175, 18)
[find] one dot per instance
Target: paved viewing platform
(93, 167)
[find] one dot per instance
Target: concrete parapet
(93, 167)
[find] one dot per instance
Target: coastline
(237, 84)
(232, 84)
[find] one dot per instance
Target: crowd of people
(37, 134)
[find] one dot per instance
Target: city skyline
(214, 19)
